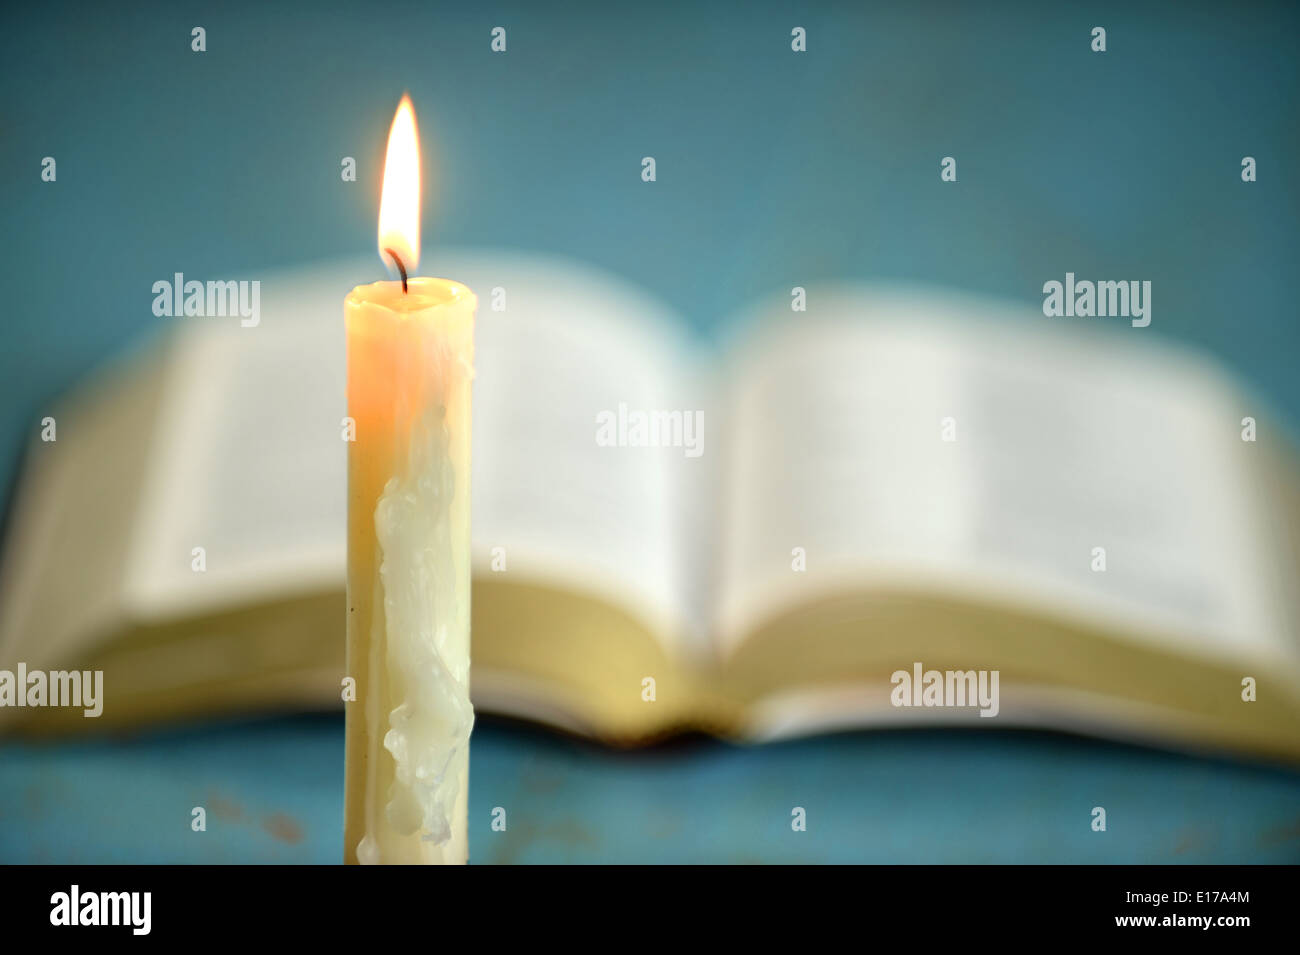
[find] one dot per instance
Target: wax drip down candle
(410, 368)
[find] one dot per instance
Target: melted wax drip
(433, 717)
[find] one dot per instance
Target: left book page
(213, 467)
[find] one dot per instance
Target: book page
(251, 458)
(917, 440)
(590, 441)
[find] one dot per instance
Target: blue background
(774, 169)
(273, 793)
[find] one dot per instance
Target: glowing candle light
(410, 347)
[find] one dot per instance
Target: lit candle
(410, 346)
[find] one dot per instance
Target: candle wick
(400, 267)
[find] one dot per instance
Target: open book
(755, 537)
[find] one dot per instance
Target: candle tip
(400, 267)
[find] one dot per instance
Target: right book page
(913, 441)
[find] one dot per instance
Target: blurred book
(748, 538)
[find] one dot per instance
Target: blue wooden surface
(774, 170)
(273, 793)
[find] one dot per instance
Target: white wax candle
(410, 367)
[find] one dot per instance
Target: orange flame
(399, 201)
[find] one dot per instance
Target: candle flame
(399, 201)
